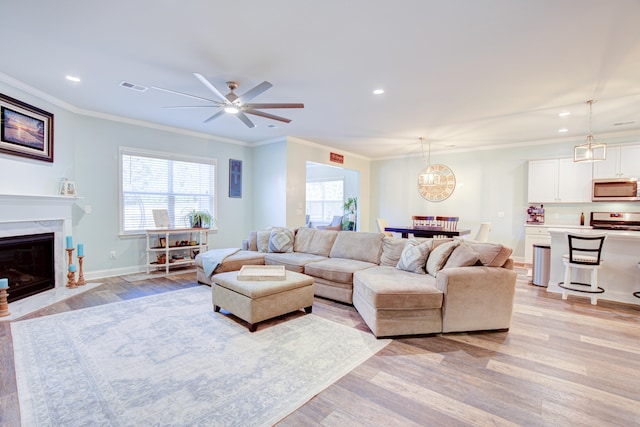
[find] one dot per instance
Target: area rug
(168, 359)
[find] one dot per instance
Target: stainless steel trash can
(541, 264)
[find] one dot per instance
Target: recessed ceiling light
(73, 79)
(273, 126)
(378, 91)
(563, 130)
(564, 114)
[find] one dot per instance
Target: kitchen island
(619, 274)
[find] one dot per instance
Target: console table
(178, 246)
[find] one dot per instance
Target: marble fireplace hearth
(22, 215)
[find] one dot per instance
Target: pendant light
(427, 176)
(591, 150)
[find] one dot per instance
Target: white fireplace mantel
(31, 214)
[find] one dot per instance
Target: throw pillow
(462, 256)
(439, 257)
(413, 257)
(392, 250)
(491, 254)
(281, 240)
(262, 240)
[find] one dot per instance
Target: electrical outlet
(500, 214)
(112, 255)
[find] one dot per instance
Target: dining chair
(449, 223)
(382, 224)
(483, 232)
(422, 221)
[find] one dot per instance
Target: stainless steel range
(626, 221)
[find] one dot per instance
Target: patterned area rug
(168, 359)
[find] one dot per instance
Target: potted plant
(200, 219)
(350, 209)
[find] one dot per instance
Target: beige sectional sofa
(399, 286)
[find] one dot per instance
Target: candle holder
(70, 253)
(81, 280)
(4, 304)
(71, 280)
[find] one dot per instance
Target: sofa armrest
(476, 298)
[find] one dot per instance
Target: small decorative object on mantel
(435, 182)
(4, 305)
(67, 187)
(25, 130)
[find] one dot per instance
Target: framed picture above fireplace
(25, 130)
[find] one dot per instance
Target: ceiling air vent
(133, 87)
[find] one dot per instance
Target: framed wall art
(25, 130)
(235, 178)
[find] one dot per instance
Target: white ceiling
(461, 73)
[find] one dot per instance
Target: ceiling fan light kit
(234, 104)
(590, 151)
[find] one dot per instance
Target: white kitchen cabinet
(559, 181)
(623, 161)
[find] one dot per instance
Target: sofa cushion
(462, 256)
(439, 256)
(262, 240)
(388, 288)
(338, 270)
(281, 240)
(414, 257)
(252, 241)
(312, 241)
(391, 250)
(358, 246)
(490, 254)
(292, 261)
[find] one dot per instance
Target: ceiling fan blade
(178, 107)
(215, 116)
(245, 119)
(267, 115)
(211, 87)
(252, 93)
(274, 105)
(183, 94)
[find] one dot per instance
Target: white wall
(20, 175)
(86, 151)
(488, 183)
(298, 153)
(270, 185)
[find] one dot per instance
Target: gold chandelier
(591, 150)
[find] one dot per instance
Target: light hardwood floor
(561, 363)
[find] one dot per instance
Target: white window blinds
(176, 183)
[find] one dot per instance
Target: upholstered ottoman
(256, 300)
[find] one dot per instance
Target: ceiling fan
(234, 104)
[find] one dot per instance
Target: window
(150, 180)
(324, 200)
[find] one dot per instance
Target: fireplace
(28, 262)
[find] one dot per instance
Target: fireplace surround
(29, 215)
(28, 263)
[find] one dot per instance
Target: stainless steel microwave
(615, 190)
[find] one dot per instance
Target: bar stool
(585, 252)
